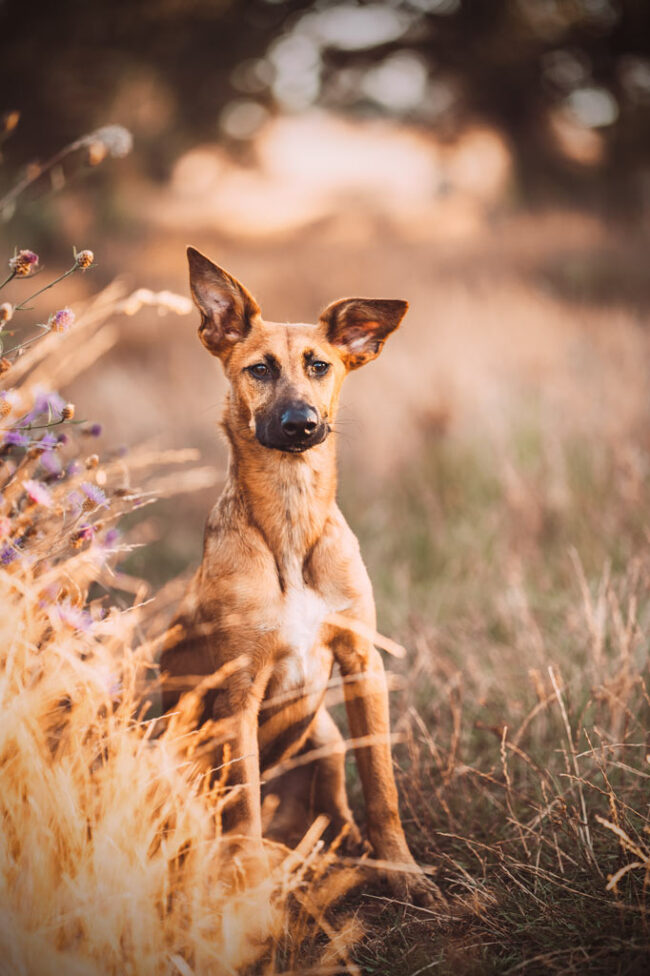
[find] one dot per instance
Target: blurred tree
(164, 65)
(566, 81)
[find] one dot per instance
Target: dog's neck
(287, 497)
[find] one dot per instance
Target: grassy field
(522, 592)
(494, 464)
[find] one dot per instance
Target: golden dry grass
(494, 466)
(111, 854)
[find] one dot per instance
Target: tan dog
(278, 560)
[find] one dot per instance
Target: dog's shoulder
(231, 539)
(337, 544)
(238, 574)
(336, 568)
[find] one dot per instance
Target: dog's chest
(304, 660)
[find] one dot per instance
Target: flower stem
(9, 198)
(52, 423)
(8, 279)
(28, 342)
(23, 304)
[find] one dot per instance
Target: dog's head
(286, 379)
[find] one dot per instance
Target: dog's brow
(271, 362)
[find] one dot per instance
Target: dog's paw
(415, 888)
(245, 862)
(348, 841)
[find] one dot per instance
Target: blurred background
(487, 161)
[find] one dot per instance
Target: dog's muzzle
(293, 427)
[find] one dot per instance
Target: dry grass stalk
(111, 855)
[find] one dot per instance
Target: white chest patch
(306, 663)
(304, 613)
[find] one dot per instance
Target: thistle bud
(84, 259)
(68, 412)
(62, 320)
(5, 365)
(23, 263)
(115, 140)
(92, 461)
(6, 313)
(84, 534)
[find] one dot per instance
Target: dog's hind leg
(312, 787)
(329, 795)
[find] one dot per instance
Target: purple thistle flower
(45, 403)
(93, 493)
(111, 538)
(94, 430)
(51, 463)
(13, 438)
(72, 616)
(75, 501)
(48, 441)
(38, 493)
(7, 555)
(49, 401)
(62, 320)
(62, 439)
(113, 685)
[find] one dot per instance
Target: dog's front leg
(241, 822)
(238, 703)
(366, 699)
(241, 814)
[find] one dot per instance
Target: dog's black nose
(299, 421)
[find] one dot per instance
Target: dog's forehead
(285, 338)
(289, 329)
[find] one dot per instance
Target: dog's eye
(319, 368)
(259, 370)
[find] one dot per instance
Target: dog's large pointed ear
(358, 327)
(226, 308)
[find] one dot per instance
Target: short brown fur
(278, 559)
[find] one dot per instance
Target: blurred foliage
(164, 64)
(566, 81)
